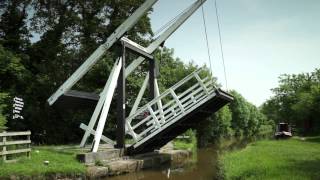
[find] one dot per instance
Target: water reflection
(205, 166)
(202, 169)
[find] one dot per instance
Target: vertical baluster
(134, 135)
(174, 95)
(201, 83)
(173, 112)
(154, 117)
(193, 99)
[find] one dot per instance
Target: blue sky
(261, 38)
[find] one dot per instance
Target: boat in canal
(283, 130)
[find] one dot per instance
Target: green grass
(60, 162)
(186, 144)
(274, 159)
(181, 144)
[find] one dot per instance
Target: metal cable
(221, 49)
(207, 41)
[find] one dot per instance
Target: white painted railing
(179, 100)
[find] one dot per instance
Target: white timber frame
(106, 106)
(99, 52)
(176, 106)
(93, 132)
(140, 94)
(106, 95)
(150, 49)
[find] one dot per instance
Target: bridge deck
(184, 105)
(179, 108)
(190, 120)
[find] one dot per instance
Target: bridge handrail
(174, 87)
(155, 118)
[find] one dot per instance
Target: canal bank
(295, 158)
(204, 164)
(170, 162)
(154, 160)
(59, 162)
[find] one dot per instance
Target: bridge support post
(152, 77)
(121, 103)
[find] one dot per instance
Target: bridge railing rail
(177, 101)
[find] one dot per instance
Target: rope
(221, 49)
(207, 41)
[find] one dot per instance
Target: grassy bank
(189, 143)
(60, 162)
(295, 158)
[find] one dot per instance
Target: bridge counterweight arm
(150, 49)
(99, 52)
(165, 35)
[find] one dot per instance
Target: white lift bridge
(167, 115)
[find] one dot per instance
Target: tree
(296, 101)
(13, 28)
(3, 120)
(69, 32)
(240, 114)
(240, 119)
(215, 127)
(13, 79)
(12, 72)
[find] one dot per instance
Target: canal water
(203, 167)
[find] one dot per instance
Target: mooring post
(121, 104)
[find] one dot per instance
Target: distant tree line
(43, 42)
(239, 119)
(297, 101)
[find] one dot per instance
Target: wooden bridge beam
(121, 103)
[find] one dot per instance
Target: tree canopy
(296, 100)
(239, 119)
(41, 45)
(43, 42)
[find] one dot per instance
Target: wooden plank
(4, 148)
(93, 132)
(23, 133)
(29, 146)
(15, 142)
(15, 151)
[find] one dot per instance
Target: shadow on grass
(303, 168)
(313, 139)
(310, 168)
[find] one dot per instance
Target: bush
(2, 117)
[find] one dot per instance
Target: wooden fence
(9, 139)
